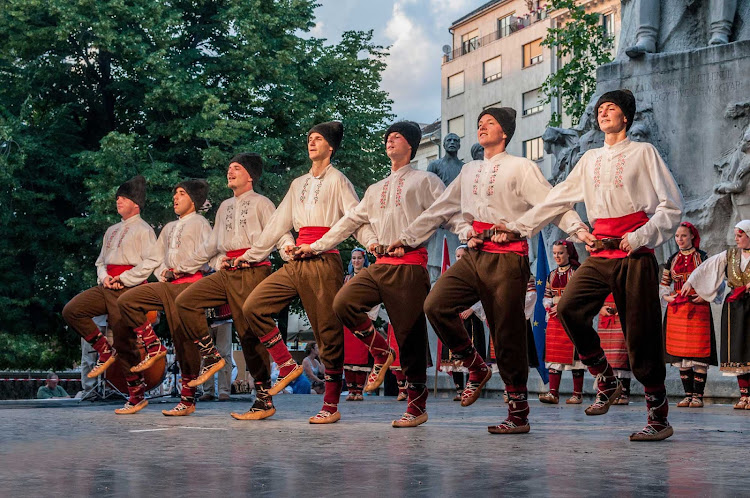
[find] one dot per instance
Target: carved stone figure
(561, 143)
(449, 166)
(477, 152)
(735, 177)
(648, 20)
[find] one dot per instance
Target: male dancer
(400, 281)
(239, 223)
(121, 265)
(176, 264)
(634, 205)
(497, 189)
(314, 203)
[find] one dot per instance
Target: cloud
(318, 31)
(444, 12)
(412, 77)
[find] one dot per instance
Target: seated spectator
(313, 369)
(50, 389)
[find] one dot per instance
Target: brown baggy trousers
(499, 281)
(402, 289)
(316, 281)
(227, 287)
(160, 296)
(80, 311)
(634, 283)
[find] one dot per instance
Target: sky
(415, 31)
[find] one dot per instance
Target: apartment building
(496, 59)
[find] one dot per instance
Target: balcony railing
(515, 24)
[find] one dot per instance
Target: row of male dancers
(494, 205)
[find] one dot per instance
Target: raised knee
(431, 306)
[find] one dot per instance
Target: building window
(608, 25)
(506, 25)
(532, 102)
(470, 41)
(532, 53)
(492, 69)
(456, 125)
(456, 84)
(496, 104)
(533, 149)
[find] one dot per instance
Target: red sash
(117, 270)
(520, 247)
(188, 278)
(413, 257)
(610, 228)
(737, 293)
(308, 235)
(236, 253)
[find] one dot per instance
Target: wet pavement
(82, 450)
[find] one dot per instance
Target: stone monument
(693, 103)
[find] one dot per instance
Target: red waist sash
(615, 228)
(413, 257)
(187, 278)
(520, 247)
(308, 235)
(737, 293)
(117, 270)
(236, 253)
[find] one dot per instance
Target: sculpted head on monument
(451, 143)
(477, 152)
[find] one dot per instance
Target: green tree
(583, 46)
(94, 92)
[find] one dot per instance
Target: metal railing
(516, 24)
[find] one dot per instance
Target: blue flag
(539, 319)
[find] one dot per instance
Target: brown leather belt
(486, 235)
(602, 244)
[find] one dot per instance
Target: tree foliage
(94, 92)
(583, 46)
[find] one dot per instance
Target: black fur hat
(332, 131)
(623, 99)
(197, 189)
(135, 190)
(252, 163)
(506, 118)
(410, 131)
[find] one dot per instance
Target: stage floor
(83, 450)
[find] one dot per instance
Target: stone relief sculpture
(735, 176)
(673, 25)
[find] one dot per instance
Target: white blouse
(127, 243)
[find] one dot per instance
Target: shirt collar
(132, 219)
(245, 195)
(187, 217)
(498, 157)
(402, 171)
(320, 177)
(618, 146)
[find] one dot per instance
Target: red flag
(446, 256)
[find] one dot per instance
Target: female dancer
(560, 353)
(732, 266)
(688, 325)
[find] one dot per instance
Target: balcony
(513, 26)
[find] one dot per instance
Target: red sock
(417, 398)
(578, 381)
(136, 387)
(472, 360)
(554, 381)
(518, 404)
(744, 383)
(100, 344)
(376, 343)
(187, 394)
(598, 365)
(333, 390)
(274, 343)
(148, 336)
